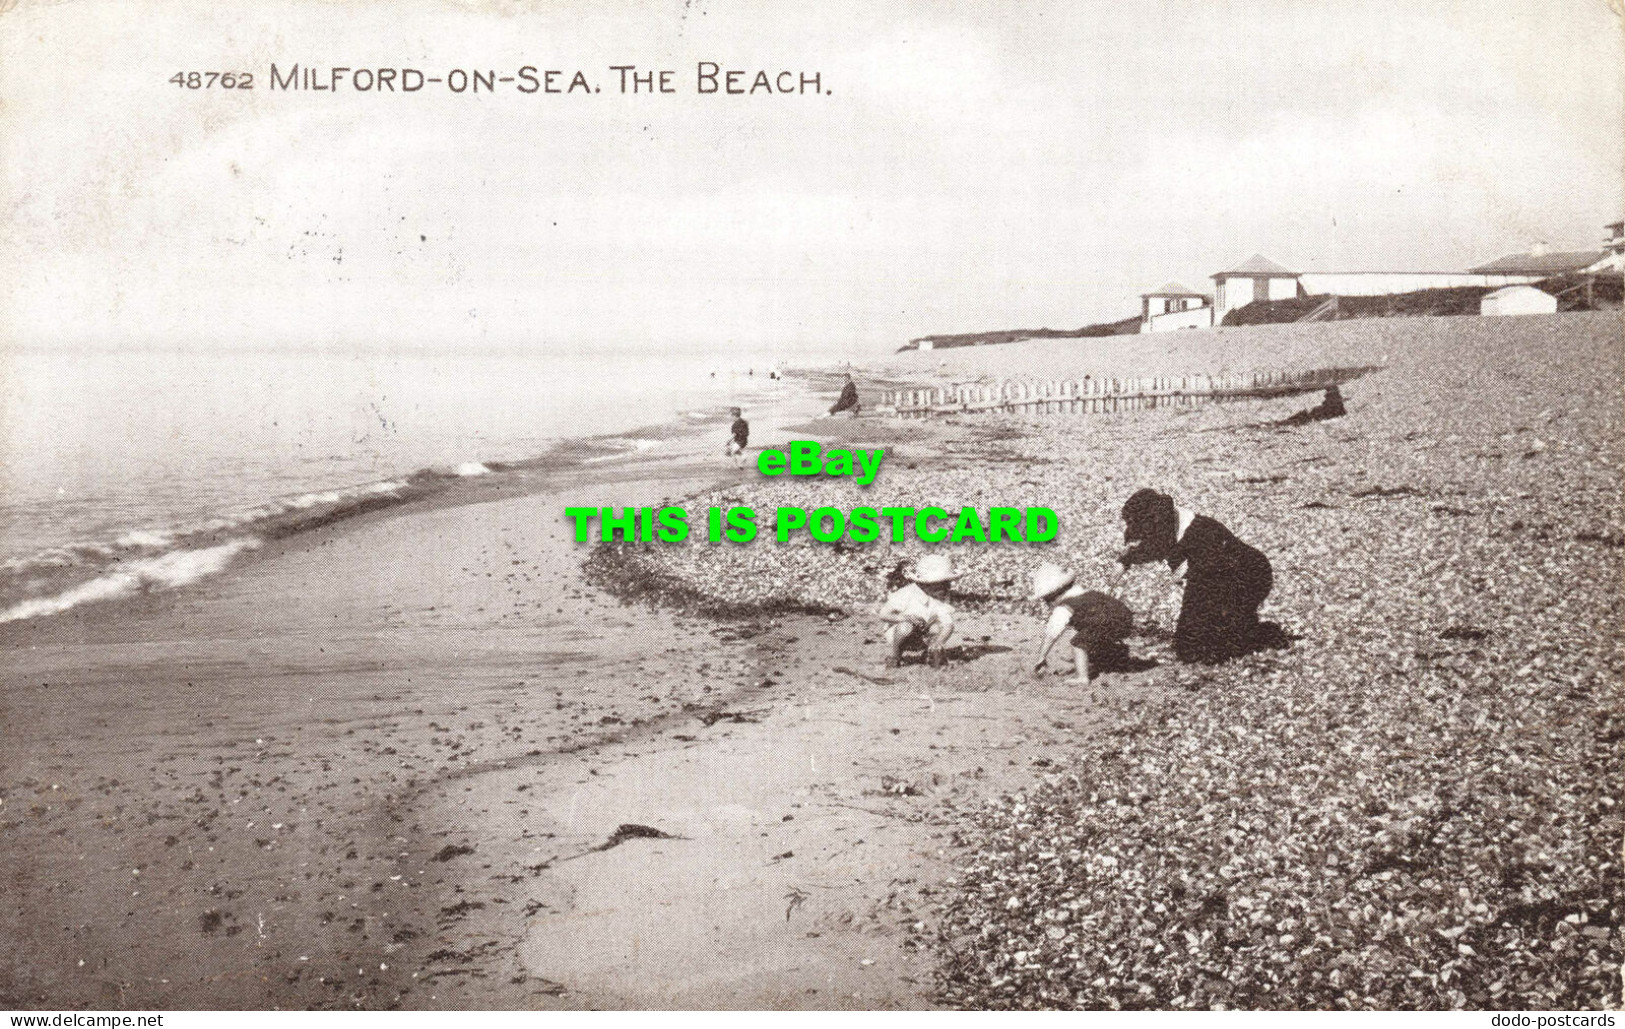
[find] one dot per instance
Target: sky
(964, 166)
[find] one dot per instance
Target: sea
(136, 470)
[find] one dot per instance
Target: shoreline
(70, 574)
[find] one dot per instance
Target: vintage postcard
(717, 504)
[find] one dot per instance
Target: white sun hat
(1050, 579)
(933, 568)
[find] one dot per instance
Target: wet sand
(235, 796)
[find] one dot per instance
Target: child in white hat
(1099, 623)
(920, 612)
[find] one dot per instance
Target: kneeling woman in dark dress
(1225, 579)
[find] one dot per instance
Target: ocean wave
(624, 446)
(272, 519)
(67, 556)
(145, 538)
(165, 571)
(307, 501)
(133, 560)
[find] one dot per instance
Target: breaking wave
(132, 560)
(166, 571)
(621, 447)
(147, 559)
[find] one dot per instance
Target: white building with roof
(1175, 306)
(1613, 250)
(1257, 278)
(1271, 281)
(1376, 284)
(1542, 262)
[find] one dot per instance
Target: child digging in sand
(1099, 623)
(919, 613)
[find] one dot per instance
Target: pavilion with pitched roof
(1174, 306)
(1257, 278)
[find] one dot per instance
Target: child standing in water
(739, 439)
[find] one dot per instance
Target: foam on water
(55, 580)
(56, 557)
(145, 538)
(628, 446)
(166, 571)
(308, 501)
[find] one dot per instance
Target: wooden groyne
(1091, 395)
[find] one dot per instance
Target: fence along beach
(1104, 395)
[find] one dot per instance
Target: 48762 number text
(211, 79)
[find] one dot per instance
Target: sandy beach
(372, 768)
(419, 760)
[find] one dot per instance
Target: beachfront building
(1377, 284)
(1174, 306)
(1613, 248)
(1518, 300)
(1541, 262)
(1271, 281)
(1257, 278)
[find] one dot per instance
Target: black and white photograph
(903, 506)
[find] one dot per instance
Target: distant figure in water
(1098, 623)
(739, 437)
(919, 614)
(1225, 580)
(848, 400)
